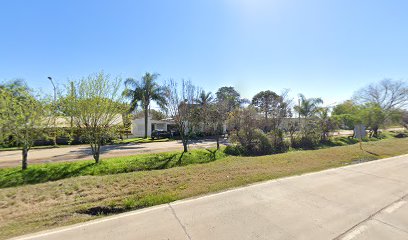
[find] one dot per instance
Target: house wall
(138, 127)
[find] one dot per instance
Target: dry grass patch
(42, 206)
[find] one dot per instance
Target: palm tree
(143, 92)
(204, 99)
(308, 107)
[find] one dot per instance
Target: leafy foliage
(143, 92)
(308, 107)
(96, 109)
(24, 118)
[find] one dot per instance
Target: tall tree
(387, 94)
(273, 106)
(230, 97)
(325, 122)
(308, 106)
(265, 101)
(96, 109)
(373, 116)
(346, 114)
(143, 92)
(204, 100)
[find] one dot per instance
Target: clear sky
(326, 48)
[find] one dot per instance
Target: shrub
(234, 150)
(310, 136)
(251, 142)
(278, 142)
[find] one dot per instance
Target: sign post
(360, 133)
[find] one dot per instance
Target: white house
(138, 126)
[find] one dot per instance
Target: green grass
(11, 177)
(37, 207)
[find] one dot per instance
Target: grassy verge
(42, 206)
(40, 173)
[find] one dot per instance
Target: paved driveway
(365, 201)
(83, 152)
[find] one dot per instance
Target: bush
(234, 150)
(279, 144)
(309, 138)
(251, 142)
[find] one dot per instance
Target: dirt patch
(363, 159)
(101, 210)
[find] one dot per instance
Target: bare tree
(180, 106)
(387, 93)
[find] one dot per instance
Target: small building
(138, 126)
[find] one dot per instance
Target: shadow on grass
(11, 177)
(157, 162)
(39, 175)
(372, 153)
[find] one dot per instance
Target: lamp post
(55, 111)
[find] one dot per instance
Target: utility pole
(54, 111)
(299, 110)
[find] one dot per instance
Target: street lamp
(55, 110)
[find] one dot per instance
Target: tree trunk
(218, 142)
(96, 152)
(146, 113)
(375, 132)
(185, 143)
(25, 156)
(96, 156)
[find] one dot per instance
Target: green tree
(274, 107)
(230, 97)
(205, 100)
(96, 109)
(143, 92)
(373, 116)
(5, 99)
(346, 114)
(308, 107)
(26, 117)
(266, 102)
(245, 133)
(326, 123)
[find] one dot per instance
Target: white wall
(138, 127)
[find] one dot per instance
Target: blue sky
(316, 47)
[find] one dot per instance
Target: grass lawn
(40, 173)
(31, 208)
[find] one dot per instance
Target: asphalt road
(83, 152)
(364, 201)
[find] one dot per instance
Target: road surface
(83, 152)
(364, 201)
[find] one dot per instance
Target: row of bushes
(267, 143)
(248, 138)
